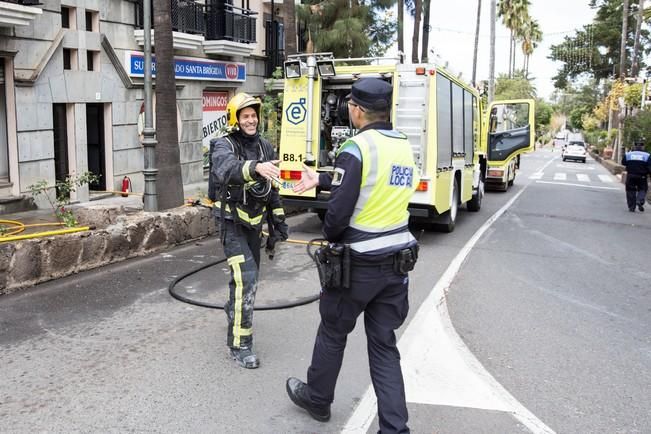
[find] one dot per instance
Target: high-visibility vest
(389, 179)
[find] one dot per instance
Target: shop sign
(189, 68)
(214, 114)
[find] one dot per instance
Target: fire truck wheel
(450, 217)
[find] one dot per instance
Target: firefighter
(243, 167)
(373, 180)
(638, 168)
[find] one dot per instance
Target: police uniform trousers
(636, 190)
(242, 250)
(381, 293)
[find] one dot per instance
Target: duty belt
(382, 242)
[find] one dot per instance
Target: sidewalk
(119, 230)
(125, 205)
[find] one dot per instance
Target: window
(92, 21)
(92, 60)
(70, 59)
(68, 17)
(469, 102)
(457, 118)
(443, 121)
(65, 17)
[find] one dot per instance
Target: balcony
(18, 12)
(219, 27)
(229, 30)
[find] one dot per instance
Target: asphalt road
(552, 300)
(555, 301)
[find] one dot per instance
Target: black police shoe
(245, 357)
(632, 209)
(641, 207)
(297, 391)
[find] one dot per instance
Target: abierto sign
(214, 114)
(189, 68)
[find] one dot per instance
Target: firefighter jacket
(238, 192)
(371, 186)
(638, 163)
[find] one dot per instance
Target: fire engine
(441, 116)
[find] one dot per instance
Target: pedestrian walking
(373, 180)
(638, 168)
(243, 169)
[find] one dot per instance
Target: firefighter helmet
(237, 103)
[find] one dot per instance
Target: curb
(29, 262)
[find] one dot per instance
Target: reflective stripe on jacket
(389, 178)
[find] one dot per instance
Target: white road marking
(560, 176)
(606, 178)
(569, 184)
(438, 367)
(574, 166)
(582, 177)
(537, 175)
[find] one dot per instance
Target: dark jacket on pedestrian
(239, 193)
(638, 163)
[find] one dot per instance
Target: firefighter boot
(245, 357)
(297, 391)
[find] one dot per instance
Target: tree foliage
(518, 87)
(595, 49)
(544, 112)
(638, 127)
(348, 28)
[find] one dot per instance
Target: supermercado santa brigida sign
(189, 68)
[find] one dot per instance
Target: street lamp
(149, 134)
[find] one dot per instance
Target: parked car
(574, 150)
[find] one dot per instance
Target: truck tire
(513, 180)
(474, 204)
(450, 217)
(505, 185)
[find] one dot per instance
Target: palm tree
(426, 28)
(418, 7)
(474, 56)
(531, 36)
(401, 32)
(636, 45)
(622, 55)
(513, 13)
(169, 183)
(491, 57)
(289, 9)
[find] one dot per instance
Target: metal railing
(225, 21)
(215, 21)
(188, 17)
(24, 2)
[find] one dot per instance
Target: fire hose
(275, 306)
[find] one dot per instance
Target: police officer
(638, 168)
(243, 166)
(373, 180)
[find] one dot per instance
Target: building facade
(71, 84)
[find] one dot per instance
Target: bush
(638, 127)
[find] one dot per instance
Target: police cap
(639, 143)
(371, 93)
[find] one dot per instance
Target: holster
(405, 259)
(333, 265)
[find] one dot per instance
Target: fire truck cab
(440, 115)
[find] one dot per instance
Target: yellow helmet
(237, 103)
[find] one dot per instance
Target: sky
(453, 37)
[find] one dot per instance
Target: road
(539, 322)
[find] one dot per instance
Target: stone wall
(117, 236)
